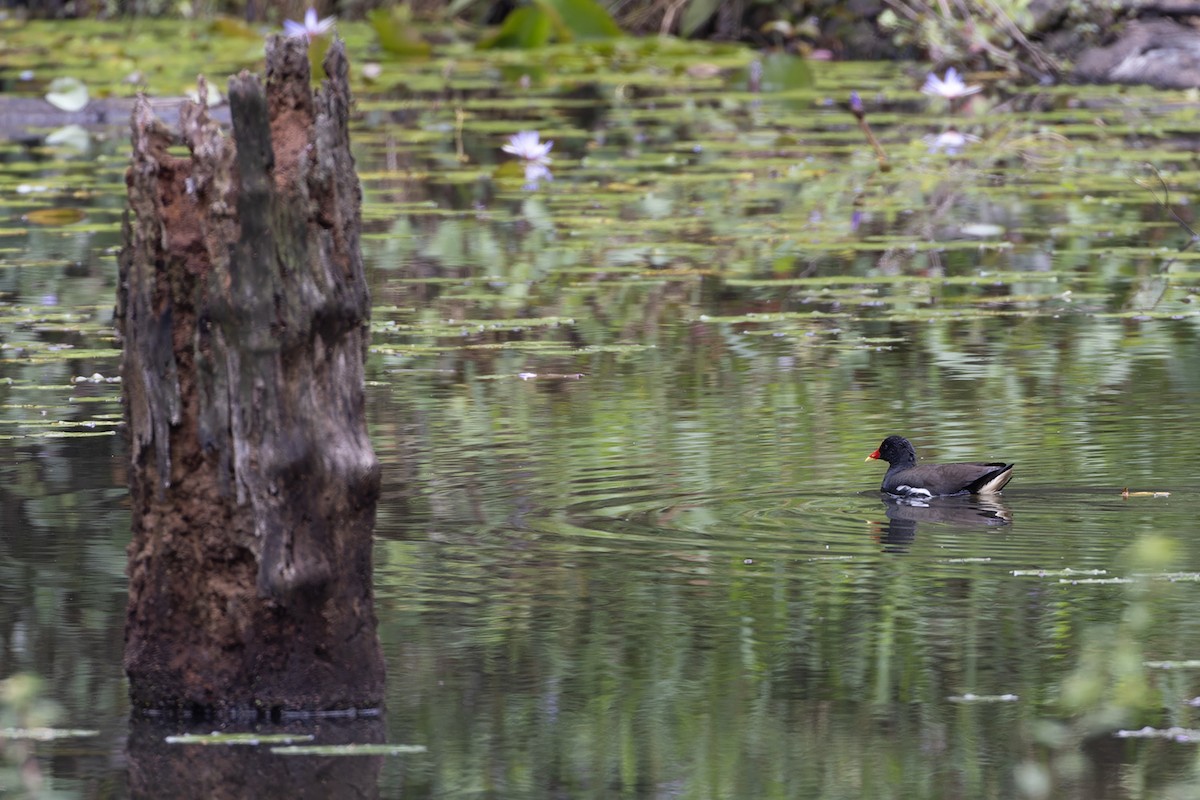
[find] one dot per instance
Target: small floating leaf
(55, 216)
(350, 750)
(216, 738)
(68, 94)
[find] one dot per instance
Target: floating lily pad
(54, 216)
(68, 94)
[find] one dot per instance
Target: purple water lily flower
(310, 28)
(951, 87)
(528, 146)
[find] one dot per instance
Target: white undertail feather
(997, 482)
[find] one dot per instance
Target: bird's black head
(896, 450)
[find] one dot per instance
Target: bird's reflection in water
(965, 511)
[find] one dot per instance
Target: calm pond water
(628, 545)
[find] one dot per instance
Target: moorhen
(905, 479)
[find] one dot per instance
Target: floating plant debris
(1056, 573)
(1170, 577)
(1191, 663)
(971, 697)
(1098, 581)
(1126, 493)
(1175, 734)
(217, 738)
(350, 750)
(46, 734)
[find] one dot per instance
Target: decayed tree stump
(243, 314)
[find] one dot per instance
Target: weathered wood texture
(243, 313)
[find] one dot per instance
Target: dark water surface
(628, 546)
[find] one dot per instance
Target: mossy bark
(243, 314)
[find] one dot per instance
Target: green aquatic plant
(541, 22)
(396, 34)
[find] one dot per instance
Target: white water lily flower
(310, 28)
(527, 145)
(951, 87)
